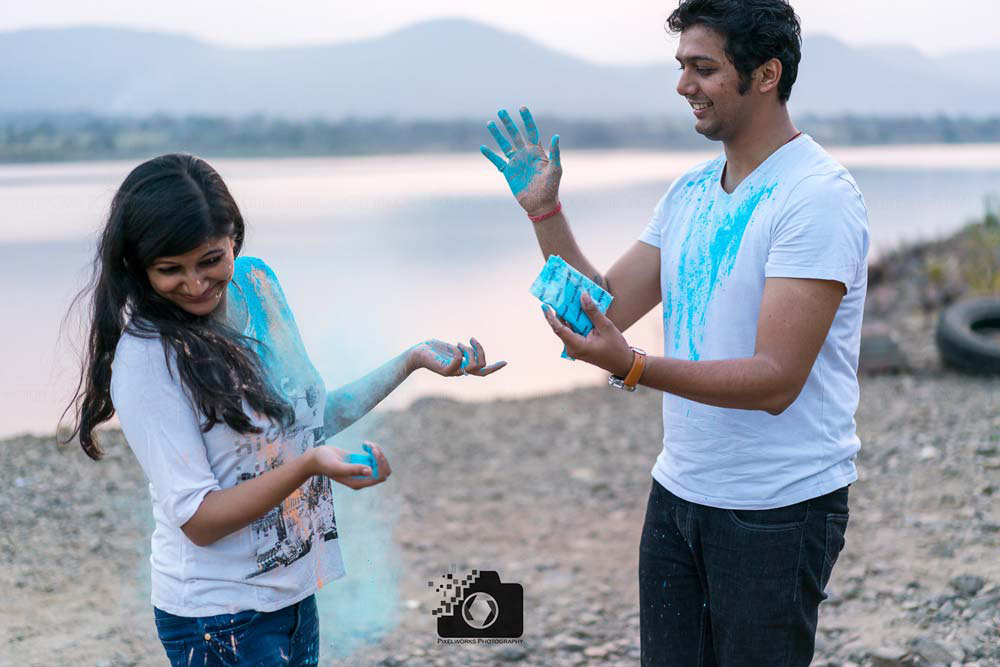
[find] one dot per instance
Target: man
(758, 257)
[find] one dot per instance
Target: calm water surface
(378, 253)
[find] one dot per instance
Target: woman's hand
(532, 175)
(452, 360)
(331, 462)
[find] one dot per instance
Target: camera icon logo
(479, 605)
(479, 611)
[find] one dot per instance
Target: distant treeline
(53, 137)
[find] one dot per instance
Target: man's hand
(604, 346)
(532, 175)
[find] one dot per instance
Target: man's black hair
(755, 31)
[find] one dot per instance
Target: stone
(943, 550)
(967, 584)
(928, 453)
(887, 656)
(984, 602)
(571, 644)
(880, 353)
(595, 652)
(935, 652)
(512, 653)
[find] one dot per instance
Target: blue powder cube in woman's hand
(366, 459)
(560, 285)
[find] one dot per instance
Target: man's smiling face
(711, 84)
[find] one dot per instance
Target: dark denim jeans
(289, 636)
(735, 587)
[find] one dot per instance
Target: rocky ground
(550, 492)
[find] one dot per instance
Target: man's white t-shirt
(283, 556)
(798, 215)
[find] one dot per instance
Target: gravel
(550, 492)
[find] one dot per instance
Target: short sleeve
(162, 427)
(821, 233)
(267, 306)
(654, 229)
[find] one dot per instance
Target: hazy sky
(620, 31)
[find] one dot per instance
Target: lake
(378, 253)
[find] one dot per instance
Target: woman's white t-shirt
(280, 558)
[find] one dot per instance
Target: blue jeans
(735, 587)
(289, 636)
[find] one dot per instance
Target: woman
(198, 353)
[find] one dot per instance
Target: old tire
(963, 339)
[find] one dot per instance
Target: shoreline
(905, 155)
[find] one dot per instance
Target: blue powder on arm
(560, 285)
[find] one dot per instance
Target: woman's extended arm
(349, 403)
(225, 511)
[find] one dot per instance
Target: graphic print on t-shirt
(708, 252)
(289, 531)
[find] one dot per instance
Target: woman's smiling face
(197, 280)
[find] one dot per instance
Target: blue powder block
(366, 459)
(559, 285)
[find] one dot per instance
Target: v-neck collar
(731, 196)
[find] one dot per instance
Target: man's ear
(768, 76)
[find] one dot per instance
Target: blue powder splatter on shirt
(707, 255)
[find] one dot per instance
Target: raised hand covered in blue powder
(532, 175)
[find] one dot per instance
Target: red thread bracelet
(546, 216)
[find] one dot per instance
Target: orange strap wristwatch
(631, 380)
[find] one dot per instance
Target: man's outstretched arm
(795, 318)
(534, 177)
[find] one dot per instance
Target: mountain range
(444, 69)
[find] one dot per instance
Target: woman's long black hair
(168, 206)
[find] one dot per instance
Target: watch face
(619, 383)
